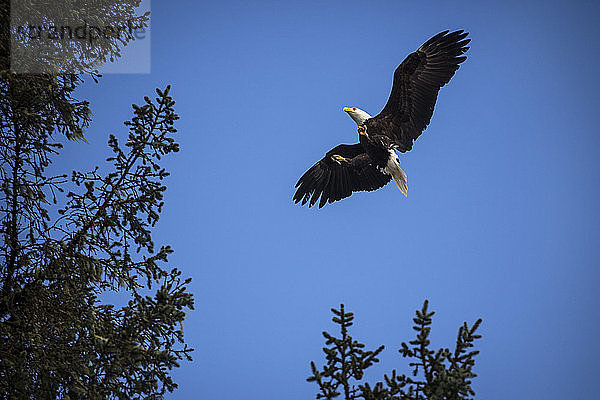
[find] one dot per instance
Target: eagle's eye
(353, 108)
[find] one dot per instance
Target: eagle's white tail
(399, 176)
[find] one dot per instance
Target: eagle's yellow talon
(338, 158)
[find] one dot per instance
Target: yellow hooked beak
(347, 109)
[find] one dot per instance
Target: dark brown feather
(417, 82)
(331, 181)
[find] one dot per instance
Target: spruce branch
(435, 374)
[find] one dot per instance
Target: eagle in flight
(372, 163)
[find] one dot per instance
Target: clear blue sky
(501, 219)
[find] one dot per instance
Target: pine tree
(67, 239)
(57, 338)
(436, 375)
(346, 361)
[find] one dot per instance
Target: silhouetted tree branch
(436, 375)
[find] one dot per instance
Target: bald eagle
(373, 162)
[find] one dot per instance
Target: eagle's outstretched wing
(333, 180)
(417, 82)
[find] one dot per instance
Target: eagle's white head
(359, 116)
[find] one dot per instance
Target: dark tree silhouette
(57, 338)
(67, 239)
(436, 374)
